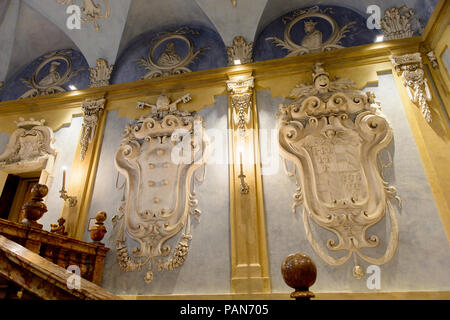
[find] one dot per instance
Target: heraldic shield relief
(161, 157)
(333, 136)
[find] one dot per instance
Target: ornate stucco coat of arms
(333, 136)
(159, 157)
(30, 147)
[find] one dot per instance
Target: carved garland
(161, 189)
(411, 68)
(241, 101)
(92, 109)
(333, 136)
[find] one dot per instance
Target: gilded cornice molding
(215, 81)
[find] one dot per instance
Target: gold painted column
(84, 167)
(250, 271)
(428, 127)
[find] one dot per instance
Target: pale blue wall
(4, 138)
(66, 141)
(422, 259)
(207, 267)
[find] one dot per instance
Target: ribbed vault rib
(231, 22)
(8, 22)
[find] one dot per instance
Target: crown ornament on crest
(22, 123)
(318, 70)
(310, 23)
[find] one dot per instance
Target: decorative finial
(98, 230)
(299, 272)
(35, 209)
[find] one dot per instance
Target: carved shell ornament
(333, 136)
(313, 39)
(169, 61)
(161, 157)
(51, 81)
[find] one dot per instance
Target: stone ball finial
(100, 217)
(299, 272)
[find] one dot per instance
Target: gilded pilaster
(82, 177)
(249, 258)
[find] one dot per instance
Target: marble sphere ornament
(299, 272)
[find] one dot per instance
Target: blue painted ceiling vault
(32, 29)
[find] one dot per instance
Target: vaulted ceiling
(30, 28)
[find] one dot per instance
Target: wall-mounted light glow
(72, 87)
(63, 193)
(379, 38)
(237, 62)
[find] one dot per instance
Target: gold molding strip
(433, 143)
(407, 295)
(361, 55)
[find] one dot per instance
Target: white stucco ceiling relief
(32, 28)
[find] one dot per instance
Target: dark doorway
(16, 192)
